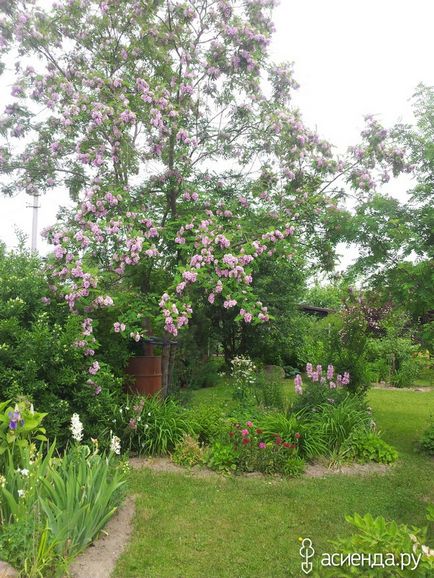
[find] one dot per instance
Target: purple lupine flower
(298, 382)
(330, 371)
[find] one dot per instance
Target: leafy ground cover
(241, 526)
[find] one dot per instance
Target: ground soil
(420, 389)
(316, 470)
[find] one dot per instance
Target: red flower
(286, 445)
(245, 441)
(231, 433)
(278, 440)
(258, 431)
(297, 436)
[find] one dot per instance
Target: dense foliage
(52, 506)
(38, 354)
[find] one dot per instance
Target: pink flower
(94, 368)
(249, 424)
(262, 445)
(244, 432)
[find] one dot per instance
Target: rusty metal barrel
(147, 373)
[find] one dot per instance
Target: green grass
(245, 527)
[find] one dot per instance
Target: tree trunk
(165, 361)
(172, 354)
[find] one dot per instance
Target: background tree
(396, 239)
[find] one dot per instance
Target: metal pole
(35, 208)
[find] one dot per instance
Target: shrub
(323, 387)
(39, 357)
(293, 467)
(221, 457)
(368, 446)
(78, 497)
(395, 357)
(188, 452)
(338, 423)
(407, 373)
(209, 423)
(257, 454)
(150, 425)
(311, 440)
(427, 440)
(376, 535)
(316, 395)
(51, 507)
(205, 373)
(20, 426)
(244, 379)
(269, 392)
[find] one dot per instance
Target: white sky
(351, 58)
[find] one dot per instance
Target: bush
(322, 388)
(395, 357)
(209, 423)
(255, 454)
(367, 446)
(39, 357)
(244, 378)
(269, 392)
(407, 373)
(150, 425)
(316, 395)
(20, 426)
(199, 373)
(78, 497)
(188, 452)
(221, 457)
(376, 535)
(427, 440)
(51, 508)
(338, 423)
(311, 440)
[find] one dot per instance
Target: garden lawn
(249, 527)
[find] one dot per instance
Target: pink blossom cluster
(315, 375)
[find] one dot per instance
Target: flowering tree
(174, 134)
